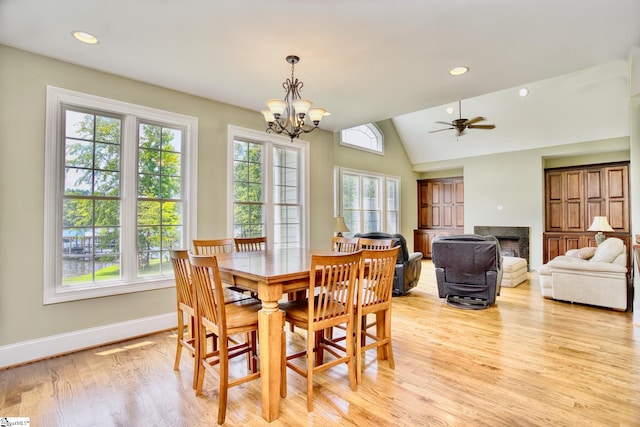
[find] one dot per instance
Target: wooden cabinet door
(458, 191)
(421, 243)
(447, 207)
(594, 195)
(434, 197)
(564, 201)
(616, 184)
(573, 210)
(554, 201)
(553, 246)
(423, 204)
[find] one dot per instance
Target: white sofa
(599, 280)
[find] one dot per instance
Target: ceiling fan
(462, 124)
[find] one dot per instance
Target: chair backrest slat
(212, 246)
(182, 273)
(376, 276)
(333, 279)
(344, 244)
(365, 243)
(250, 244)
(209, 293)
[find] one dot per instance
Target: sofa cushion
(608, 250)
(584, 253)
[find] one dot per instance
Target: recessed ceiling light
(523, 92)
(450, 109)
(458, 71)
(85, 37)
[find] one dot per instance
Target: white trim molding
(55, 345)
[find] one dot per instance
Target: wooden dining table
(271, 274)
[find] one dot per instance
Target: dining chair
(220, 246)
(364, 243)
(185, 298)
(185, 307)
(344, 244)
(223, 320)
(332, 280)
(374, 294)
(250, 244)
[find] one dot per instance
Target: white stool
(514, 271)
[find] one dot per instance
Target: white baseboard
(27, 351)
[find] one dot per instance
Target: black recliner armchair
(468, 269)
(408, 265)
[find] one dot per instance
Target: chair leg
(283, 366)
(201, 356)
(180, 334)
(310, 344)
(351, 363)
(387, 335)
(359, 338)
(319, 350)
(224, 384)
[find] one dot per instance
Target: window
(118, 178)
(268, 187)
(365, 137)
(368, 201)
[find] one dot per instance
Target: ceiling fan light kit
(461, 124)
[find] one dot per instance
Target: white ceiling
(363, 60)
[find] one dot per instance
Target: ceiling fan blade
(440, 130)
(475, 120)
(445, 123)
(481, 126)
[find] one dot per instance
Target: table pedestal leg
(270, 323)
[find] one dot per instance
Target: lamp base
(600, 237)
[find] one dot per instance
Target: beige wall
(23, 81)
(394, 162)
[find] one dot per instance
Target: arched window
(364, 137)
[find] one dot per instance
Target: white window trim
(376, 130)
(337, 192)
(236, 132)
(54, 292)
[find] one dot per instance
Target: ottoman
(514, 271)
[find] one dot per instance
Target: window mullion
(267, 202)
(129, 198)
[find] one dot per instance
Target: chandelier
(287, 116)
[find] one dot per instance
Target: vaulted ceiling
(364, 60)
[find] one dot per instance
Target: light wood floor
(524, 362)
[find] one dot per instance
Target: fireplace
(514, 241)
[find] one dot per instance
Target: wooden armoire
(440, 211)
(574, 195)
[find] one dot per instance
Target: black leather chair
(468, 269)
(408, 265)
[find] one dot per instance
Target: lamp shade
(600, 223)
(316, 114)
(339, 226)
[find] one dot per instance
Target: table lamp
(339, 226)
(600, 224)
